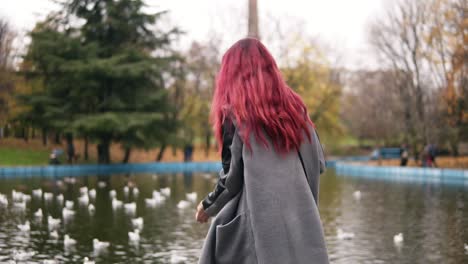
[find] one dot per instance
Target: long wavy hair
(251, 91)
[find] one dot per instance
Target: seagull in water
(37, 193)
(54, 234)
(84, 199)
(398, 239)
(100, 245)
(3, 200)
(136, 191)
(357, 195)
(137, 223)
(102, 184)
(116, 204)
(92, 194)
(177, 259)
(48, 196)
(466, 248)
(130, 208)
(38, 213)
(183, 204)
(69, 204)
(91, 209)
(60, 199)
(165, 191)
(53, 223)
(84, 190)
(112, 194)
(67, 213)
(134, 236)
(24, 227)
(342, 235)
(68, 241)
(87, 261)
(192, 196)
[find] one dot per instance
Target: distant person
(426, 160)
(188, 152)
(266, 198)
(70, 153)
(404, 156)
(432, 154)
(53, 159)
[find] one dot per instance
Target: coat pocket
(234, 241)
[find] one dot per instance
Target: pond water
(432, 218)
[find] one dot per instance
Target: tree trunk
(33, 133)
(70, 148)
(86, 154)
(103, 150)
(126, 158)
(24, 133)
(44, 136)
(57, 138)
(161, 152)
(207, 143)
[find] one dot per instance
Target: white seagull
(84, 199)
(60, 199)
(91, 209)
(398, 239)
(357, 195)
(92, 194)
(112, 194)
(87, 261)
(165, 191)
(192, 196)
(67, 213)
(344, 235)
(134, 236)
(102, 184)
(100, 245)
(84, 190)
(24, 227)
(137, 223)
(48, 196)
(183, 204)
(37, 193)
(68, 241)
(3, 200)
(53, 223)
(130, 208)
(116, 204)
(69, 204)
(38, 213)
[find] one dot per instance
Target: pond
(359, 226)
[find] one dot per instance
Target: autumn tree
(7, 36)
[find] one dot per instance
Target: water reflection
(431, 218)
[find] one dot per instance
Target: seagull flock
(86, 198)
(397, 238)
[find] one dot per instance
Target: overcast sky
(340, 24)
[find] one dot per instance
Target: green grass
(22, 157)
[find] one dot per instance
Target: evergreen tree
(104, 80)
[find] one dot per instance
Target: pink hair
(251, 90)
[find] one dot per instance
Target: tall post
(253, 20)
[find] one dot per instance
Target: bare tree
(399, 39)
(6, 66)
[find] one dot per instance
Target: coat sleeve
(313, 161)
(231, 177)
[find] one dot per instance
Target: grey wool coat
(267, 211)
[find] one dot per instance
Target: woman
(265, 201)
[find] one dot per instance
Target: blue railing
(402, 173)
(79, 170)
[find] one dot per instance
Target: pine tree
(105, 80)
